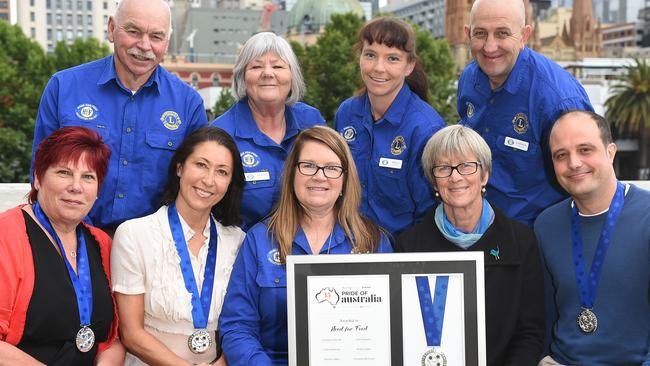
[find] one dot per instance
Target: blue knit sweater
(622, 302)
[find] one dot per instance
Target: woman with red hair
(56, 306)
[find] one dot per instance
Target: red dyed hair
(67, 145)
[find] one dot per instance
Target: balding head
(145, 6)
(518, 5)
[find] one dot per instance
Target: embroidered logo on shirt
(170, 120)
(274, 256)
(520, 123)
(349, 133)
(495, 253)
(87, 112)
(249, 159)
(398, 145)
(470, 110)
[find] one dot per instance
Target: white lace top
(144, 261)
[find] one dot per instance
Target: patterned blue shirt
(143, 130)
(515, 121)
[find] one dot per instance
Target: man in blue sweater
(596, 251)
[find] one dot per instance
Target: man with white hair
(141, 111)
(511, 95)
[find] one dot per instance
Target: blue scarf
(456, 236)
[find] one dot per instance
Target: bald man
(511, 95)
(141, 111)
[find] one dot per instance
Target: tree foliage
(629, 107)
(225, 101)
(331, 67)
(24, 71)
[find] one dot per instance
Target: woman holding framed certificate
(457, 163)
(317, 214)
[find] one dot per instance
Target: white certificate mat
(453, 336)
(349, 320)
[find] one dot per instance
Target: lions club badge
(520, 123)
(273, 256)
(398, 145)
(249, 159)
(170, 120)
(87, 112)
(470, 110)
(349, 133)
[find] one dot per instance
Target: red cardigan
(17, 276)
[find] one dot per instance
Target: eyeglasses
(311, 169)
(466, 168)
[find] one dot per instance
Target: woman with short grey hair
(268, 85)
(458, 162)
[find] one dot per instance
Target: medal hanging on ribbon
(200, 341)
(433, 316)
(81, 281)
(587, 320)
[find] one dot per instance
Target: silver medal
(434, 357)
(200, 341)
(85, 339)
(587, 321)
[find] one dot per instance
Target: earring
(437, 194)
(483, 191)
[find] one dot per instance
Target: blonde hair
(285, 218)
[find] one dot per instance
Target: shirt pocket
(390, 189)
(101, 128)
(165, 141)
(525, 164)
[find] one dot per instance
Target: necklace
(73, 254)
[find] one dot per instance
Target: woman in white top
(169, 291)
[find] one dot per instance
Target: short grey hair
(258, 46)
(521, 9)
(118, 13)
(455, 141)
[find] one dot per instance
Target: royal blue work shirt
(388, 154)
(515, 121)
(143, 129)
(263, 158)
(253, 321)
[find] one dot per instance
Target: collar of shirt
(395, 112)
(512, 84)
(338, 238)
(247, 128)
(110, 73)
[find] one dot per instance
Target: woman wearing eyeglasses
(457, 163)
(317, 214)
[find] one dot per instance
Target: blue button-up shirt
(515, 120)
(143, 130)
(262, 158)
(388, 155)
(253, 321)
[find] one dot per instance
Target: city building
(585, 30)
(617, 11)
(428, 15)
(5, 10)
(307, 18)
(617, 38)
(50, 21)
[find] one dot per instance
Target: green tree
(629, 108)
(330, 67)
(24, 71)
(225, 101)
(79, 52)
(439, 66)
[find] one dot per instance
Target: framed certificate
(386, 309)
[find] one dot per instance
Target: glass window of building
(105, 19)
(49, 18)
(31, 2)
(68, 35)
(215, 79)
(89, 19)
(32, 32)
(4, 4)
(80, 19)
(68, 4)
(89, 5)
(59, 35)
(49, 34)
(59, 19)
(105, 5)
(4, 16)
(80, 33)
(195, 80)
(32, 16)
(48, 4)
(79, 5)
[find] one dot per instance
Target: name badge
(255, 176)
(516, 144)
(390, 163)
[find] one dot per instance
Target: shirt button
(125, 162)
(491, 101)
(170, 144)
(121, 195)
(132, 98)
(128, 130)
(487, 129)
(277, 280)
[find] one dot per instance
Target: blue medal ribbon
(433, 310)
(587, 285)
(200, 303)
(81, 281)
